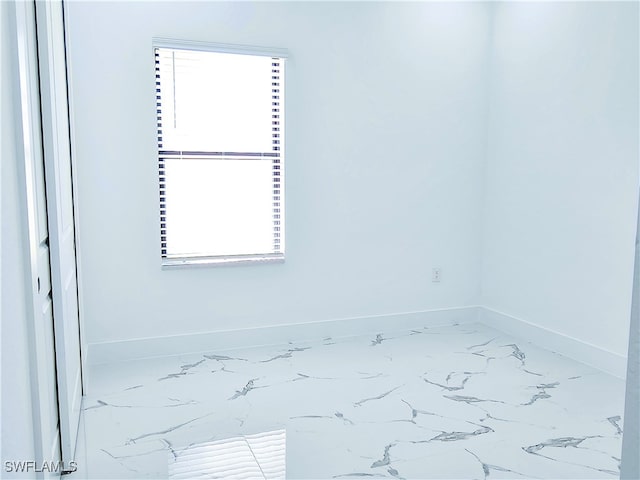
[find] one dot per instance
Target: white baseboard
(570, 347)
(108, 352)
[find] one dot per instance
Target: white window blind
(220, 149)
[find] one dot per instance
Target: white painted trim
(27, 188)
(221, 261)
(28, 113)
(597, 357)
(54, 453)
(107, 352)
(76, 205)
(220, 47)
(557, 342)
(56, 156)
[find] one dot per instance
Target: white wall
(386, 106)
(17, 441)
(562, 168)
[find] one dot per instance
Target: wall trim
(139, 348)
(192, 343)
(557, 342)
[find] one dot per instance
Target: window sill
(235, 260)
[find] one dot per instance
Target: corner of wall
(489, 61)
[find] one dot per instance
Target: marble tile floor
(454, 402)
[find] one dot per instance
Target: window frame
(239, 259)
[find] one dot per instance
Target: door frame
(56, 146)
(30, 146)
(74, 187)
(46, 440)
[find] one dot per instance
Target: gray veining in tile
(462, 401)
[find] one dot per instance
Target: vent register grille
(166, 94)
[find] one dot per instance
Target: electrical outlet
(436, 275)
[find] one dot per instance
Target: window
(220, 113)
